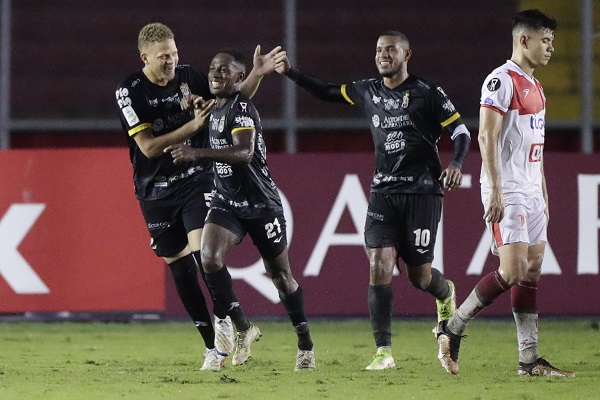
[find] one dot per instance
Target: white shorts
(524, 221)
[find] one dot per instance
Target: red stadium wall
(72, 238)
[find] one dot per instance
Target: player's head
(392, 53)
(533, 34)
(226, 73)
(158, 51)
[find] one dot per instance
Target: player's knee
(419, 283)
(380, 266)
(515, 273)
(210, 261)
(282, 279)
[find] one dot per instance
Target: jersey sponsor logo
(375, 119)
(536, 151)
(391, 104)
(122, 95)
(157, 225)
(374, 215)
(537, 123)
(396, 122)
(376, 99)
(494, 84)
(394, 142)
(219, 143)
(448, 106)
(223, 170)
(158, 125)
(130, 116)
(244, 121)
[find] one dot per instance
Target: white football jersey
(509, 91)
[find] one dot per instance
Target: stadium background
(65, 159)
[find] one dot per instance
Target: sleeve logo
(130, 115)
(244, 121)
(493, 84)
(243, 107)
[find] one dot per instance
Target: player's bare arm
(545, 191)
(489, 128)
(240, 153)
(262, 65)
(153, 146)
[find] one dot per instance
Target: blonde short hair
(153, 33)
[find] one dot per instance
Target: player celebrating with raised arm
(154, 105)
(514, 194)
(246, 201)
(407, 116)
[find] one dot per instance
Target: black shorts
(268, 232)
(170, 219)
(408, 222)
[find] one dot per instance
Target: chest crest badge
(185, 89)
(405, 100)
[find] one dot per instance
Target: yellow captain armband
(138, 128)
(450, 120)
(242, 128)
(345, 94)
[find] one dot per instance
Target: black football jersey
(143, 104)
(406, 122)
(247, 188)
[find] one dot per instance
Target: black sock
(221, 287)
(186, 281)
(438, 287)
(294, 305)
(381, 300)
(217, 309)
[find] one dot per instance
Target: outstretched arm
(315, 86)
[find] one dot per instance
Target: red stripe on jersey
(497, 235)
(493, 109)
(527, 97)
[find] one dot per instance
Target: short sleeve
(242, 116)
(133, 108)
(496, 92)
(442, 107)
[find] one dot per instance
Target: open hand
(267, 63)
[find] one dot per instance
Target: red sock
(523, 297)
(490, 287)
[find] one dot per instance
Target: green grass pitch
(160, 360)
